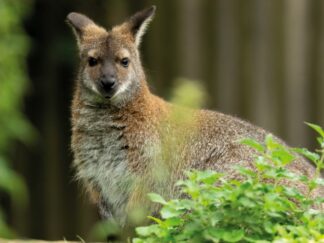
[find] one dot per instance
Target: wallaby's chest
(100, 156)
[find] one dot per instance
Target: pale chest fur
(100, 156)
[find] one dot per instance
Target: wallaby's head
(110, 66)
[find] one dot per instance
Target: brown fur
(132, 144)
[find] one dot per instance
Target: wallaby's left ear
(83, 27)
(138, 23)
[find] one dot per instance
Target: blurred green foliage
(256, 209)
(14, 45)
(188, 93)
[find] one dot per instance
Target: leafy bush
(218, 209)
(13, 79)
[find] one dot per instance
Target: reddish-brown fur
(132, 144)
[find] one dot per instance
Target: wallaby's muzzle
(107, 87)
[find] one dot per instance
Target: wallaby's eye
(124, 62)
(92, 61)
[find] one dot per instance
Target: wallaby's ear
(138, 23)
(83, 27)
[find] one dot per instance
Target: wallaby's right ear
(83, 27)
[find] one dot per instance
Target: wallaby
(124, 139)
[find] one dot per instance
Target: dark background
(260, 60)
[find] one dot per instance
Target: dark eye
(124, 62)
(92, 61)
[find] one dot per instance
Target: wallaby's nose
(108, 83)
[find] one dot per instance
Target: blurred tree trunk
(263, 89)
(225, 76)
(319, 54)
(160, 57)
(297, 99)
(189, 40)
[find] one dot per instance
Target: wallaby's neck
(143, 105)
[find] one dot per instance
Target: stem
(319, 165)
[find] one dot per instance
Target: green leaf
(156, 198)
(214, 233)
(261, 163)
(183, 204)
(169, 212)
(138, 240)
(246, 202)
(147, 230)
(269, 227)
(308, 154)
(245, 171)
(283, 157)
(175, 221)
(209, 177)
(157, 220)
(317, 128)
(253, 144)
(233, 235)
(319, 181)
(320, 141)
(270, 142)
(319, 200)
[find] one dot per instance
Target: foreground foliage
(251, 210)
